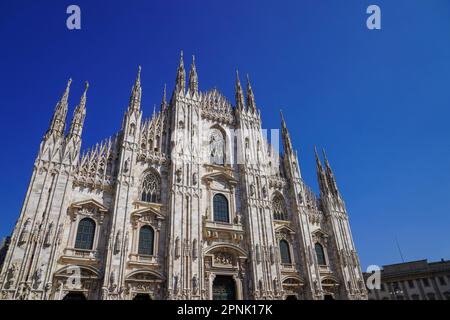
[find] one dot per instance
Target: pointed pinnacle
(282, 118)
(181, 59)
(324, 156)
(238, 80)
(164, 93)
(138, 78)
(317, 156)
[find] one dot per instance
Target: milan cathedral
(192, 203)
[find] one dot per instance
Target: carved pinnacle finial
(181, 59)
(138, 78)
(164, 94)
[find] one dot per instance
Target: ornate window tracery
(221, 213)
(216, 147)
(146, 240)
(151, 188)
(279, 208)
(85, 234)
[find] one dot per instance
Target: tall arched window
(320, 254)
(279, 208)
(146, 238)
(216, 147)
(151, 188)
(221, 208)
(85, 234)
(285, 252)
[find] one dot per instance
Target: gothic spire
(251, 105)
(193, 78)
(136, 93)
(329, 175)
(181, 76)
(320, 174)
(79, 114)
(285, 135)
(58, 122)
(164, 98)
(239, 94)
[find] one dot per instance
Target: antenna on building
(399, 249)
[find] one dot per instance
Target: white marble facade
(192, 203)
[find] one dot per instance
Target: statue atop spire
(193, 78)
(180, 84)
(239, 94)
(58, 122)
(79, 114)
(251, 105)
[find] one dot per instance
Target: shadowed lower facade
(192, 203)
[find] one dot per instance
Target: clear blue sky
(378, 101)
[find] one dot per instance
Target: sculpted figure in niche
(216, 147)
(194, 284)
(25, 231)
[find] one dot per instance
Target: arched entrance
(142, 297)
(291, 297)
(224, 288)
(75, 296)
(328, 297)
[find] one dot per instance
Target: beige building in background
(416, 280)
(192, 203)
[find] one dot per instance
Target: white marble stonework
(192, 203)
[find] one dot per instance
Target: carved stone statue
(13, 273)
(48, 235)
(194, 249)
(272, 254)
(39, 273)
(175, 283)
(24, 236)
(195, 179)
(252, 189)
(258, 254)
(118, 242)
(195, 284)
(177, 247)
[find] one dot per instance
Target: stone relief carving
(223, 258)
